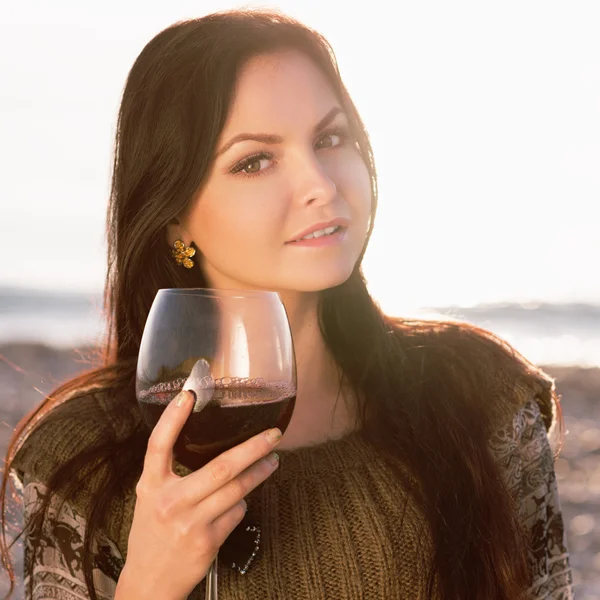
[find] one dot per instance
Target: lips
(340, 222)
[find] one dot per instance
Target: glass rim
(220, 293)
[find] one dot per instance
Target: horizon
(546, 333)
(7, 290)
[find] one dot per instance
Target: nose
(314, 185)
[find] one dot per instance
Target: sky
(484, 117)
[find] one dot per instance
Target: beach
(28, 370)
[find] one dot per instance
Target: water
(565, 334)
(53, 318)
(562, 334)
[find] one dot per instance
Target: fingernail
(274, 435)
(273, 459)
(181, 397)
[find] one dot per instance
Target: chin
(321, 279)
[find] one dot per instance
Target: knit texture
(332, 527)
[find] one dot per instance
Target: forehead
(279, 90)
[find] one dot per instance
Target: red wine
(233, 415)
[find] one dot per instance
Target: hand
(179, 523)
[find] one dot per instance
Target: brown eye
(330, 140)
(325, 142)
(252, 167)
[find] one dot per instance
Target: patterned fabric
(56, 550)
(527, 463)
(522, 450)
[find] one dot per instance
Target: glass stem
(211, 581)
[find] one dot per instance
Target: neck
(319, 413)
(314, 363)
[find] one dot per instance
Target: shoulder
(479, 363)
(80, 422)
(525, 459)
(80, 451)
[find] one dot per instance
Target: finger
(226, 497)
(227, 466)
(229, 520)
(158, 461)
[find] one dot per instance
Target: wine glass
(234, 349)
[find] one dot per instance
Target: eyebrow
(268, 138)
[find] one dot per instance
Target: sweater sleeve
(54, 548)
(527, 463)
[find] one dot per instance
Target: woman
(417, 462)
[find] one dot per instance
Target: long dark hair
(427, 391)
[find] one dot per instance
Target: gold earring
(183, 254)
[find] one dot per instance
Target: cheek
(228, 226)
(354, 183)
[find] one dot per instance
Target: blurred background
(485, 122)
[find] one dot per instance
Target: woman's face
(262, 194)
